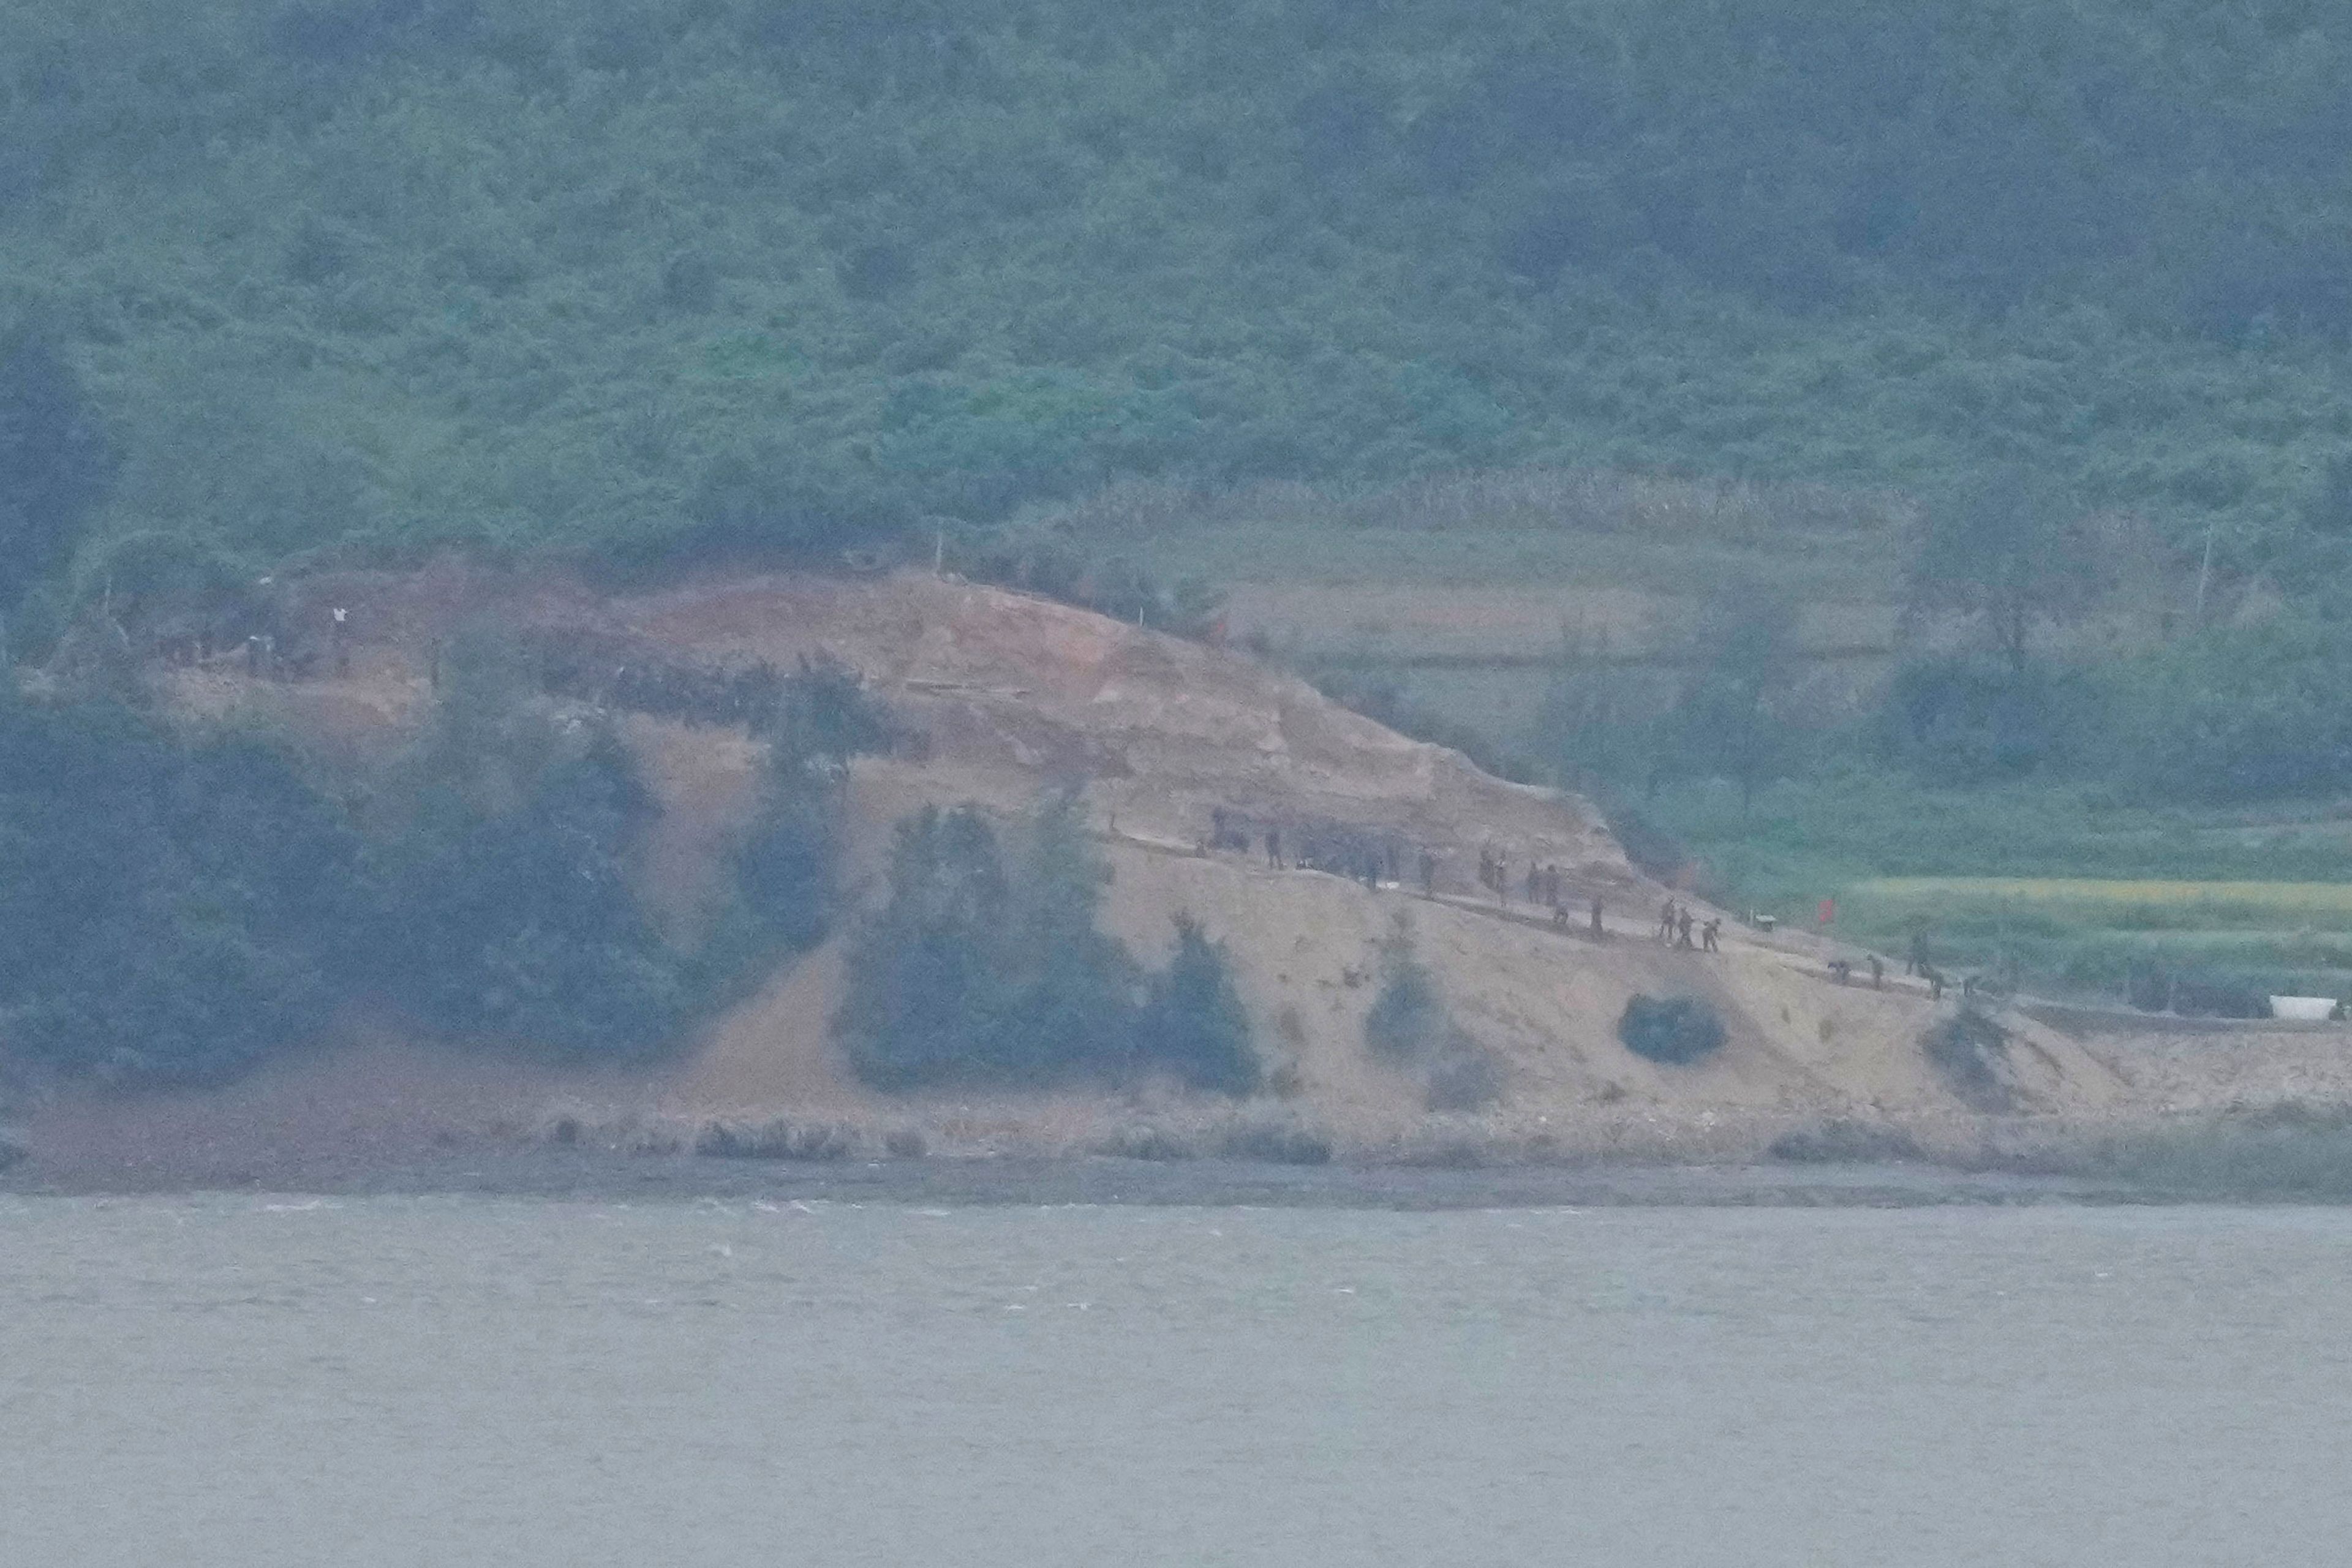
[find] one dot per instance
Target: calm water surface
(248, 1382)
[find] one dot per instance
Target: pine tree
(1196, 1024)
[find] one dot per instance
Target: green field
(2142, 903)
(2075, 891)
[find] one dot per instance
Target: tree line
(176, 905)
(663, 279)
(2229, 711)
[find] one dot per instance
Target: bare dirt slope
(1013, 694)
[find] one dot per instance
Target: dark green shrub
(1676, 1030)
(56, 462)
(923, 991)
(167, 913)
(1156, 1144)
(1410, 1026)
(1194, 1025)
(785, 871)
(1966, 721)
(2247, 714)
(521, 924)
(821, 714)
(1069, 998)
(1970, 1052)
(1468, 1077)
(809, 1142)
(1842, 1142)
(1277, 1142)
(975, 973)
(1408, 1019)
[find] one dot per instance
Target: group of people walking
(1677, 923)
(1542, 886)
(1545, 885)
(1376, 860)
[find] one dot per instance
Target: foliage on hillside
(166, 913)
(988, 968)
(639, 277)
(177, 907)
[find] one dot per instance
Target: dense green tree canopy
(638, 273)
(54, 462)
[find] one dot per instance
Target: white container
(2304, 1009)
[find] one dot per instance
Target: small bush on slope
(1410, 1025)
(1676, 1030)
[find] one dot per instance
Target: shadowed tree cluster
(977, 970)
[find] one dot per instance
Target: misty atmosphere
(1338, 620)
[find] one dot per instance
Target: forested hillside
(1976, 340)
(634, 273)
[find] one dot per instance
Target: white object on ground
(2304, 1009)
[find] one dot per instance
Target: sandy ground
(1012, 695)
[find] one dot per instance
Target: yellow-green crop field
(2286, 897)
(2174, 916)
(2091, 932)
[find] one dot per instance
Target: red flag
(1828, 910)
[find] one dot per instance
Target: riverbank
(592, 1174)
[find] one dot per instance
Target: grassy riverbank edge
(2223, 1160)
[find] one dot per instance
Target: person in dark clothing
(1666, 921)
(1600, 931)
(1707, 934)
(1683, 923)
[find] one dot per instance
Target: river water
(250, 1382)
